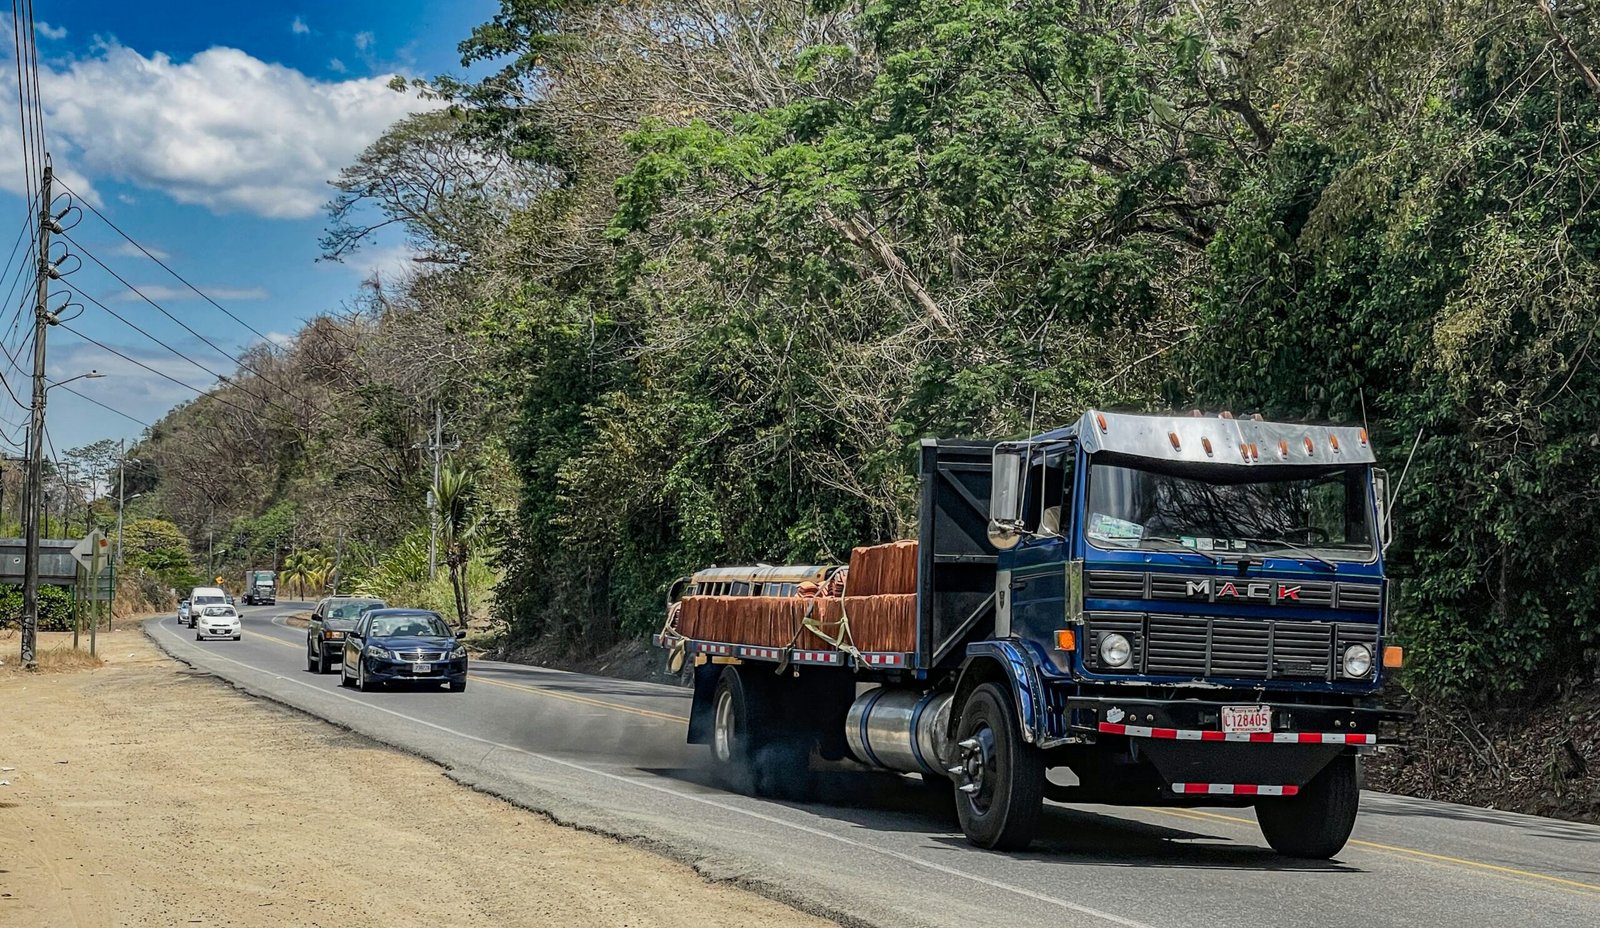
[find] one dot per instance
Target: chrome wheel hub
(974, 761)
(722, 728)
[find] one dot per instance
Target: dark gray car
(332, 620)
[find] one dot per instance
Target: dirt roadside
(143, 794)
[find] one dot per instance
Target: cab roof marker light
(1173, 437)
(1244, 450)
(1333, 441)
(1283, 448)
(1225, 415)
(1100, 420)
(1363, 436)
(1205, 442)
(1255, 452)
(1310, 448)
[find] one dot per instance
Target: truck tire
(753, 750)
(1316, 823)
(1002, 799)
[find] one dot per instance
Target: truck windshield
(1323, 512)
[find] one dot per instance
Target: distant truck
(260, 588)
(1167, 610)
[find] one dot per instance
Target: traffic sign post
(93, 554)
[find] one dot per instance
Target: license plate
(422, 668)
(1247, 718)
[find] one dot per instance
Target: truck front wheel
(1000, 783)
(1316, 822)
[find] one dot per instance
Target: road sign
(92, 551)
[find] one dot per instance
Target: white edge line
(770, 819)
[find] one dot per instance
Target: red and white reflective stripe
(1233, 789)
(706, 647)
(818, 657)
(1256, 737)
(884, 658)
(768, 653)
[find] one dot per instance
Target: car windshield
(219, 610)
(351, 609)
(418, 624)
(1322, 511)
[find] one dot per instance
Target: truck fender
(702, 707)
(991, 662)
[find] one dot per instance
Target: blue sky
(207, 131)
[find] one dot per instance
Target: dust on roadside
(143, 794)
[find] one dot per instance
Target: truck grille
(1202, 646)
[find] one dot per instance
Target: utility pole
(41, 318)
(433, 492)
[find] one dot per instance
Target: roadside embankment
(142, 793)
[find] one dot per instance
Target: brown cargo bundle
(886, 622)
(768, 621)
(880, 570)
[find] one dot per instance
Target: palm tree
(460, 524)
(300, 568)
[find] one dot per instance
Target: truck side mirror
(1008, 481)
(1380, 494)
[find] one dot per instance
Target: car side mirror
(461, 633)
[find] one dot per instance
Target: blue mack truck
(1165, 610)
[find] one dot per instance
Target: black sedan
(334, 618)
(413, 645)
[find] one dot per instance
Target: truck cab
(1186, 609)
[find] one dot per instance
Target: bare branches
(1564, 43)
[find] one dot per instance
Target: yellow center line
(1587, 888)
(538, 691)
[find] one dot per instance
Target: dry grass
(54, 650)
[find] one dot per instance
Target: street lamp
(91, 375)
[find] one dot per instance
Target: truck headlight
(1357, 661)
(1115, 651)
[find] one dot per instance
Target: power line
(164, 266)
(91, 399)
(234, 382)
(165, 376)
(163, 310)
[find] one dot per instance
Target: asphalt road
(609, 755)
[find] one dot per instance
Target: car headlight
(459, 651)
(381, 654)
(1115, 650)
(1357, 660)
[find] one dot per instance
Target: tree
(306, 568)
(460, 524)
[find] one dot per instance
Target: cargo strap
(809, 622)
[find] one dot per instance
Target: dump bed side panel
(955, 562)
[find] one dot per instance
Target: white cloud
(364, 41)
(388, 263)
(336, 66)
(49, 31)
(129, 250)
(222, 130)
(163, 293)
(299, 27)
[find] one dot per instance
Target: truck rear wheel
(1000, 789)
(1316, 822)
(753, 751)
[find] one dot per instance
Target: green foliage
(157, 547)
(55, 608)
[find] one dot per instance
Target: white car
(217, 622)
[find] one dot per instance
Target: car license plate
(422, 668)
(1247, 718)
